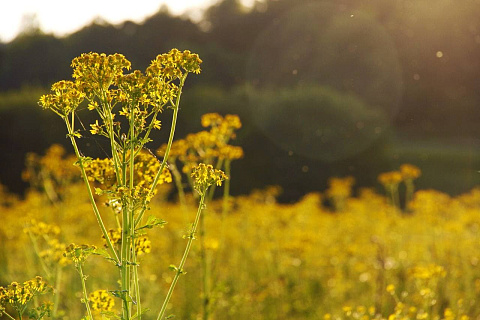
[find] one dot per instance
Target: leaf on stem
(152, 222)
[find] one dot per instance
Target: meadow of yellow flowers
(337, 254)
(332, 255)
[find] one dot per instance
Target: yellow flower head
(95, 73)
(426, 272)
(391, 289)
(101, 300)
(65, 98)
(211, 120)
(79, 253)
(390, 178)
(410, 172)
(340, 187)
(18, 295)
(171, 65)
(115, 236)
(39, 228)
(54, 253)
(142, 245)
(205, 176)
(101, 171)
(230, 152)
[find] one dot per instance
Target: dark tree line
(415, 63)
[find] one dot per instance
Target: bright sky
(62, 16)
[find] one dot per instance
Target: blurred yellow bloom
(390, 178)
(101, 300)
(410, 171)
(142, 245)
(391, 289)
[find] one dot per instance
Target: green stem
(128, 232)
(90, 193)
(84, 290)
(177, 178)
(147, 134)
(57, 291)
(137, 288)
(205, 269)
(408, 193)
(5, 313)
(179, 271)
(396, 197)
(169, 146)
(133, 258)
(203, 255)
(37, 252)
(226, 189)
(125, 269)
(132, 149)
(108, 113)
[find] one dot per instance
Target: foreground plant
(129, 177)
(18, 296)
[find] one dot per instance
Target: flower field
(365, 259)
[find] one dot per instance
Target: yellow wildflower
(65, 98)
(205, 176)
(101, 300)
(79, 253)
(390, 178)
(409, 171)
(142, 245)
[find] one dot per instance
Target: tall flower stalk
(130, 175)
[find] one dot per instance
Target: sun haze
(64, 17)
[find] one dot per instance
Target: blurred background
(323, 88)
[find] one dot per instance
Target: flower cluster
(223, 127)
(137, 88)
(142, 244)
(45, 238)
(66, 97)
(208, 147)
(115, 236)
(18, 295)
(101, 300)
(95, 73)
(79, 253)
(53, 254)
(41, 229)
(420, 301)
(174, 63)
(205, 176)
(339, 190)
(145, 170)
(406, 172)
(51, 173)
(101, 171)
(426, 272)
(410, 171)
(99, 78)
(391, 181)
